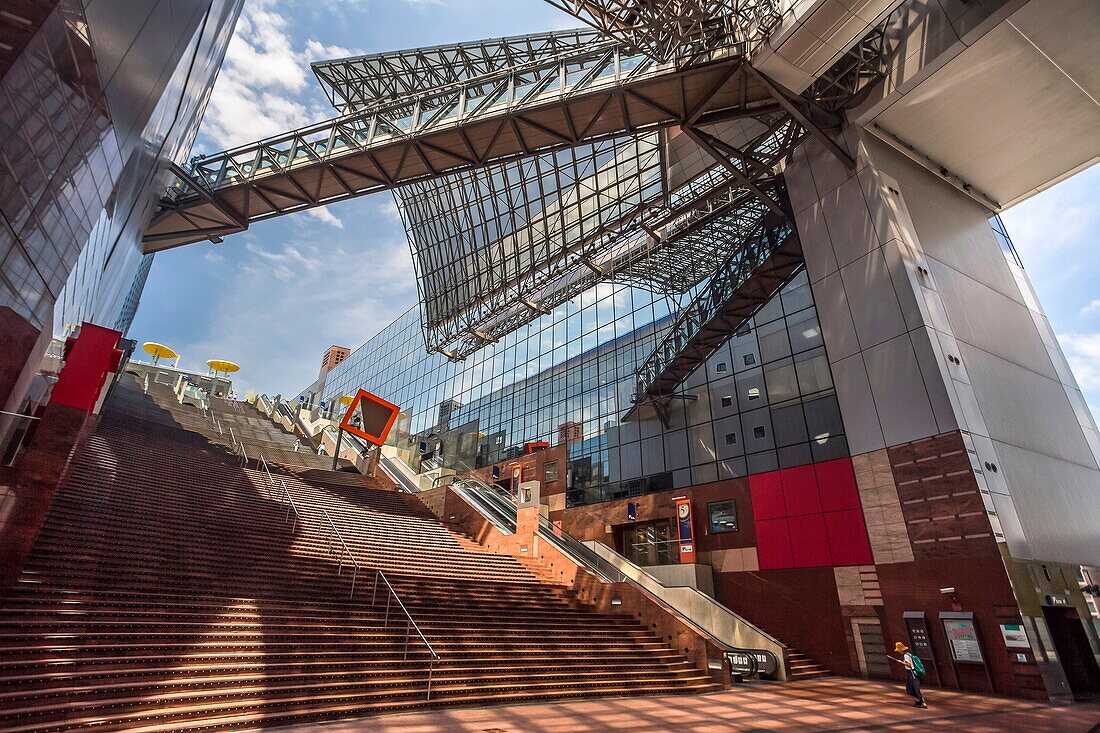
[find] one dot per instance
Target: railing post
(431, 668)
(389, 595)
(374, 593)
(354, 577)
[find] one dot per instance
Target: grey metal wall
(930, 327)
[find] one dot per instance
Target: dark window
(721, 367)
(727, 401)
(723, 516)
(731, 438)
(759, 431)
(750, 359)
(754, 393)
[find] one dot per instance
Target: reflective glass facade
(764, 400)
(102, 94)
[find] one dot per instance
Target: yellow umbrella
(221, 365)
(346, 400)
(159, 351)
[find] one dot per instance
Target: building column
(971, 441)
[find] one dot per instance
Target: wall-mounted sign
(920, 640)
(962, 639)
(1057, 601)
(684, 527)
(1015, 636)
(631, 511)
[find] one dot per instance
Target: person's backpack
(918, 666)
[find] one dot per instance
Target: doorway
(649, 543)
(1072, 644)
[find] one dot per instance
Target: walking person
(914, 673)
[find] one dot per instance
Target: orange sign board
(370, 417)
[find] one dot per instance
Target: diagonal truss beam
(801, 109)
(601, 91)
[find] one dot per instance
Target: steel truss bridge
(646, 150)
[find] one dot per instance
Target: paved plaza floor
(831, 704)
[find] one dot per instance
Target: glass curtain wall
(763, 401)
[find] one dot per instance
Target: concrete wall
(930, 329)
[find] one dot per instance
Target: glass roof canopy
(644, 150)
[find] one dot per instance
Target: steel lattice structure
(666, 29)
(360, 82)
(529, 168)
(560, 223)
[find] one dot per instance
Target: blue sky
(274, 298)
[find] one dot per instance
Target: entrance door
(1072, 645)
(650, 543)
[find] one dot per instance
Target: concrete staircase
(172, 588)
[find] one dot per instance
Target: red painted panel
(800, 491)
(809, 543)
(837, 483)
(767, 496)
(773, 544)
(848, 541)
(92, 356)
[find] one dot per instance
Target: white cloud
(325, 216)
(264, 86)
(1083, 353)
(286, 303)
(1091, 308)
(214, 257)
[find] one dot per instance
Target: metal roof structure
(665, 29)
(359, 82)
(646, 150)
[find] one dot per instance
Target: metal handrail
(19, 414)
(292, 505)
(351, 557)
(410, 625)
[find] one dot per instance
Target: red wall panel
(773, 544)
(809, 543)
(848, 538)
(800, 491)
(766, 491)
(809, 516)
(837, 483)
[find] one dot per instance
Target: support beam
(704, 141)
(796, 111)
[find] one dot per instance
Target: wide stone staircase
(176, 587)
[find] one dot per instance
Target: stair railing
(354, 563)
(290, 505)
(410, 624)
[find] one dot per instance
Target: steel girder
(476, 288)
(667, 29)
(601, 91)
(751, 275)
(360, 82)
